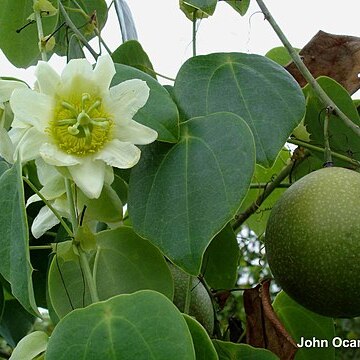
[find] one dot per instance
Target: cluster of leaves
(222, 128)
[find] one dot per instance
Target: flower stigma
(80, 125)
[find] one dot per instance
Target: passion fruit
(201, 307)
(312, 242)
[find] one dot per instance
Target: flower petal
(7, 87)
(120, 154)
(48, 79)
(6, 146)
(44, 221)
(32, 199)
(77, 75)
(54, 156)
(32, 108)
(135, 133)
(29, 145)
(104, 72)
(127, 98)
(45, 171)
(89, 177)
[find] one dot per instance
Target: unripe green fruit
(201, 307)
(312, 242)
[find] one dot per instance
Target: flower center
(80, 125)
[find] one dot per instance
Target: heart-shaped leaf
(251, 86)
(221, 259)
(132, 54)
(300, 322)
(143, 325)
(231, 351)
(201, 182)
(342, 139)
(204, 348)
(126, 263)
(15, 264)
(67, 288)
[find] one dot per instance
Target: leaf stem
(41, 34)
(71, 203)
(47, 203)
(327, 150)
(194, 32)
(76, 31)
(265, 185)
(319, 149)
(97, 32)
(321, 94)
(283, 174)
(41, 247)
(84, 262)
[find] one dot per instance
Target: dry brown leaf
(335, 56)
(263, 327)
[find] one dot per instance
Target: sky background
(165, 33)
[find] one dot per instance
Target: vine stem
(318, 90)
(41, 34)
(336, 155)
(283, 174)
(76, 31)
(84, 262)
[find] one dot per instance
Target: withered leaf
(335, 56)
(263, 327)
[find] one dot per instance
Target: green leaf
(75, 48)
(241, 6)
(300, 322)
(15, 264)
(106, 208)
(204, 349)
(232, 351)
(120, 186)
(221, 258)
(126, 263)
(67, 289)
(205, 177)
(132, 54)
(30, 346)
(21, 48)
(342, 139)
(15, 323)
(264, 94)
(280, 55)
(143, 325)
(201, 6)
(2, 301)
(160, 111)
(257, 222)
(82, 20)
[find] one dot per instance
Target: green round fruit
(201, 307)
(312, 242)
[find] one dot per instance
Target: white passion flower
(75, 121)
